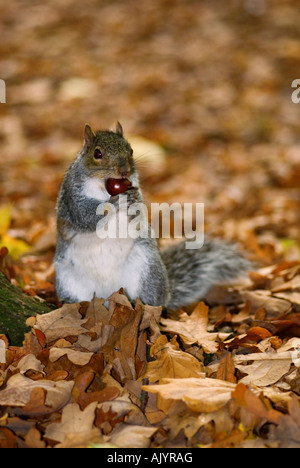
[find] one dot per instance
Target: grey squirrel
(87, 265)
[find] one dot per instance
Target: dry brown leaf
(61, 322)
(123, 409)
(171, 362)
(291, 296)
(7, 438)
(73, 422)
(294, 283)
(234, 439)
(96, 322)
(36, 406)
(193, 329)
(82, 439)
(150, 319)
(84, 398)
(264, 373)
(118, 298)
(267, 368)
(120, 348)
(130, 436)
(33, 439)
(287, 432)
(2, 352)
(79, 358)
(263, 298)
(226, 369)
(199, 394)
(182, 418)
(97, 316)
(30, 362)
(19, 389)
(247, 399)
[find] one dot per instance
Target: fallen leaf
(30, 362)
(96, 322)
(7, 438)
(33, 439)
(2, 352)
(294, 283)
(5, 219)
(199, 394)
(170, 362)
(73, 422)
(16, 247)
(193, 329)
(258, 333)
(122, 409)
(264, 299)
(89, 439)
(41, 337)
(19, 388)
(36, 406)
(287, 432)
(121, 346)
(226, 369)
(264, 373)
(234, 439)
(182, 418)
(291, 296)
(150, 319)
(84, 398)
(130, 436)
(61, 322)
(79, 358)
(245, 398)
(287, 325)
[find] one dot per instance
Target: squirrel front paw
(126, 199)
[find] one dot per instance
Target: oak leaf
(73, 422)
(287, 432)
(193, 329)
(130, 436)
(19, 389)
(199, 394)
(245, 398)
(33, 439)
(226, 369)
(79, 358)
(120, 348)
(171, 362)
(62, 322)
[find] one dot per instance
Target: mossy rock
(15, 308)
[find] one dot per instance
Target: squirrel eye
(98, 154)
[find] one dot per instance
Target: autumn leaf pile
(112, 374)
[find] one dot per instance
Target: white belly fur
(94, 266)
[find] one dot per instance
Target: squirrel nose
(124, 169)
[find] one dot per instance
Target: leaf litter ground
(113, 374)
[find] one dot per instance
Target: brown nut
(117, 186)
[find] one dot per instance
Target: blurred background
(202, 89)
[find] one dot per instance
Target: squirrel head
(107, 154)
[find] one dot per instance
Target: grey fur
(192, 273)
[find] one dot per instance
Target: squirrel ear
(88, 135)
(119, 129)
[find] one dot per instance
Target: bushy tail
(193, 272)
